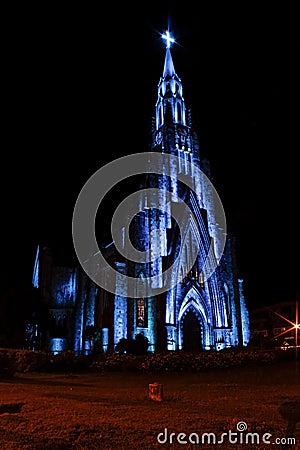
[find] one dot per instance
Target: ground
(87, 411)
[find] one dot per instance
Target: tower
(203, 309)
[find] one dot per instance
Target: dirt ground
(113, 410)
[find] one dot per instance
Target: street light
(295, 325)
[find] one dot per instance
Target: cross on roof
(168, 38)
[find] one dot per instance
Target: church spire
(169, 66)
(170, 107)
(172, 125)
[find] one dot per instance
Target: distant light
(168, 38)
(295, 325)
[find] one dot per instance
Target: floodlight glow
(168, 38)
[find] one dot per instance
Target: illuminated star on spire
(168, 38)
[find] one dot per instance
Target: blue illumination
(57, 345)
(64, 286)
(244, 316)
(105, 339)
(197, 313)
(168, 38)
(36, 269)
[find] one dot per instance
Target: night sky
(80, 89)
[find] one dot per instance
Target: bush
(67, 361)
(137, 346)
(179, 361)
(116, 363)
(7, 363)
(22, 361)
(31, 361)
(12, 361)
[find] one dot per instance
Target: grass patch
(112, 409)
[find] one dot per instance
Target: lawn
(113, 411)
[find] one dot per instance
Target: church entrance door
(191, 331)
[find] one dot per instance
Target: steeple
(172, 125)
(169, 66)
(170, 107)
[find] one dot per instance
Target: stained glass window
(141, 313)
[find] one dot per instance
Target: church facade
(200, 309)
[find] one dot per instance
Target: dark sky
(80, 87)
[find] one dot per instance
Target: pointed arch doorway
(191, 332)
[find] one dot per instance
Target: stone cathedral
(197, 312)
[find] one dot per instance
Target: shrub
(137, 346)
(7, 363)
(116, 363)
(31, 361)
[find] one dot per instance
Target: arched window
(159, 117)
(142, 310)
(179, 118)
(201, 279)
(227, 304)
(168, 113)
(141, 313)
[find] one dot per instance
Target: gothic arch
(187, 249)
(192, 331)
(227, 302)
(195, 303)
(179, 115)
